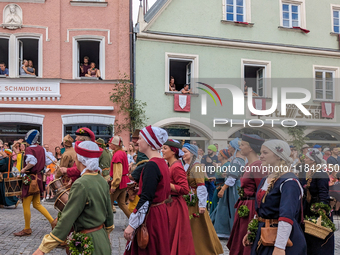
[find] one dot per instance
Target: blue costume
(218, 183)
(223, 215)
(6, 201)
(283, 203)
(319, 190)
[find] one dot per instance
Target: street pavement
(12, 220)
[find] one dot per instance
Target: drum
(13, 186)
(61, 201)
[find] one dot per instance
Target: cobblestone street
(12, 220)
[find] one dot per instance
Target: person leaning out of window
(24, 69)
(186, 89)
(93, 71)
(3, 69)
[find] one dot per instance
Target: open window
(255, 75)
(4, 54)
(93, 49)
(28, 49)
(180, 70)
(183, 68)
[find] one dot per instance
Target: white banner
(29, 89)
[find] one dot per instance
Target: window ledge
(88, 3)
(293, 29)
(88, 78)
(243, 24)
(3, 76)
(325, 100)
(172, 93)
(254, 97)
(334, 34)
(28, 76)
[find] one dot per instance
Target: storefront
(10, 132)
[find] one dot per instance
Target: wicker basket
(315, 229)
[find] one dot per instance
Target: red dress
(249, 183)
(121, 157)
(154, 189)
(181, 241)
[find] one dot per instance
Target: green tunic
(89, 206)
(105, 161)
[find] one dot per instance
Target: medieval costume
(72, 172)
(67, 159)
(317, 191)
(88, 208)
(223, 215)
(119, 172)
(5, 167)
(105, 159)
(280, 200)
(154, 189)
(35, 161)
(203, 232)
(249, 183)
(181, 241)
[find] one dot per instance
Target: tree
(298, 137)
(131, 109)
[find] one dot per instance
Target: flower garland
(252, 230)
(80, 243)
(240, 191)
(243, 211)
(191, 198)
(194, 215)
(27, 179)
(322, 210)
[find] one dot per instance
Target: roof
(155, 8)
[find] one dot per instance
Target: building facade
(56, 36)
(262, 44)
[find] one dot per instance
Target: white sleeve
(283, 232)
(202, 195)
(30, 159)
(230, 181)
(136, 219)
(48, 160)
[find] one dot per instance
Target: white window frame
(334, 7)
(336, 90)
(187, 57)
(302, 12)
(25, 1)
(15, 64)
(266, 77)
(246, 13)
(75, 64)
(8, 37)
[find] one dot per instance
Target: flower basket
(315, 229)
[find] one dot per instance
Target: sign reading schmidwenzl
(29, 89)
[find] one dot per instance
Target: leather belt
(272, 221)
(247, 198)
(153, 205)
(90, 230)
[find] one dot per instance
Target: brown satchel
(268, 234)
(34, 187)
(143, 234)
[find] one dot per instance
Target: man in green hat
(105, 159)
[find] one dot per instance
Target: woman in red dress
(154, 189)
(250, 147)
(181, 241)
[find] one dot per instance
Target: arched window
(253, 131)
(323, 136)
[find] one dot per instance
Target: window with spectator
(3, 54)
(28, 50)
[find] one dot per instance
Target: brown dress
(205, 238)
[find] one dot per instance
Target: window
(183, 69)
(13, 131)
(93, 48)
(4, 52)
(28, 50)
(255, 74)
(290, 15)
(336, 17)
(100, 131)
(324, 84)
(235, 10)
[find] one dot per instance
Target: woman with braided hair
(203, 232)
(279, 199)
(316, 191)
